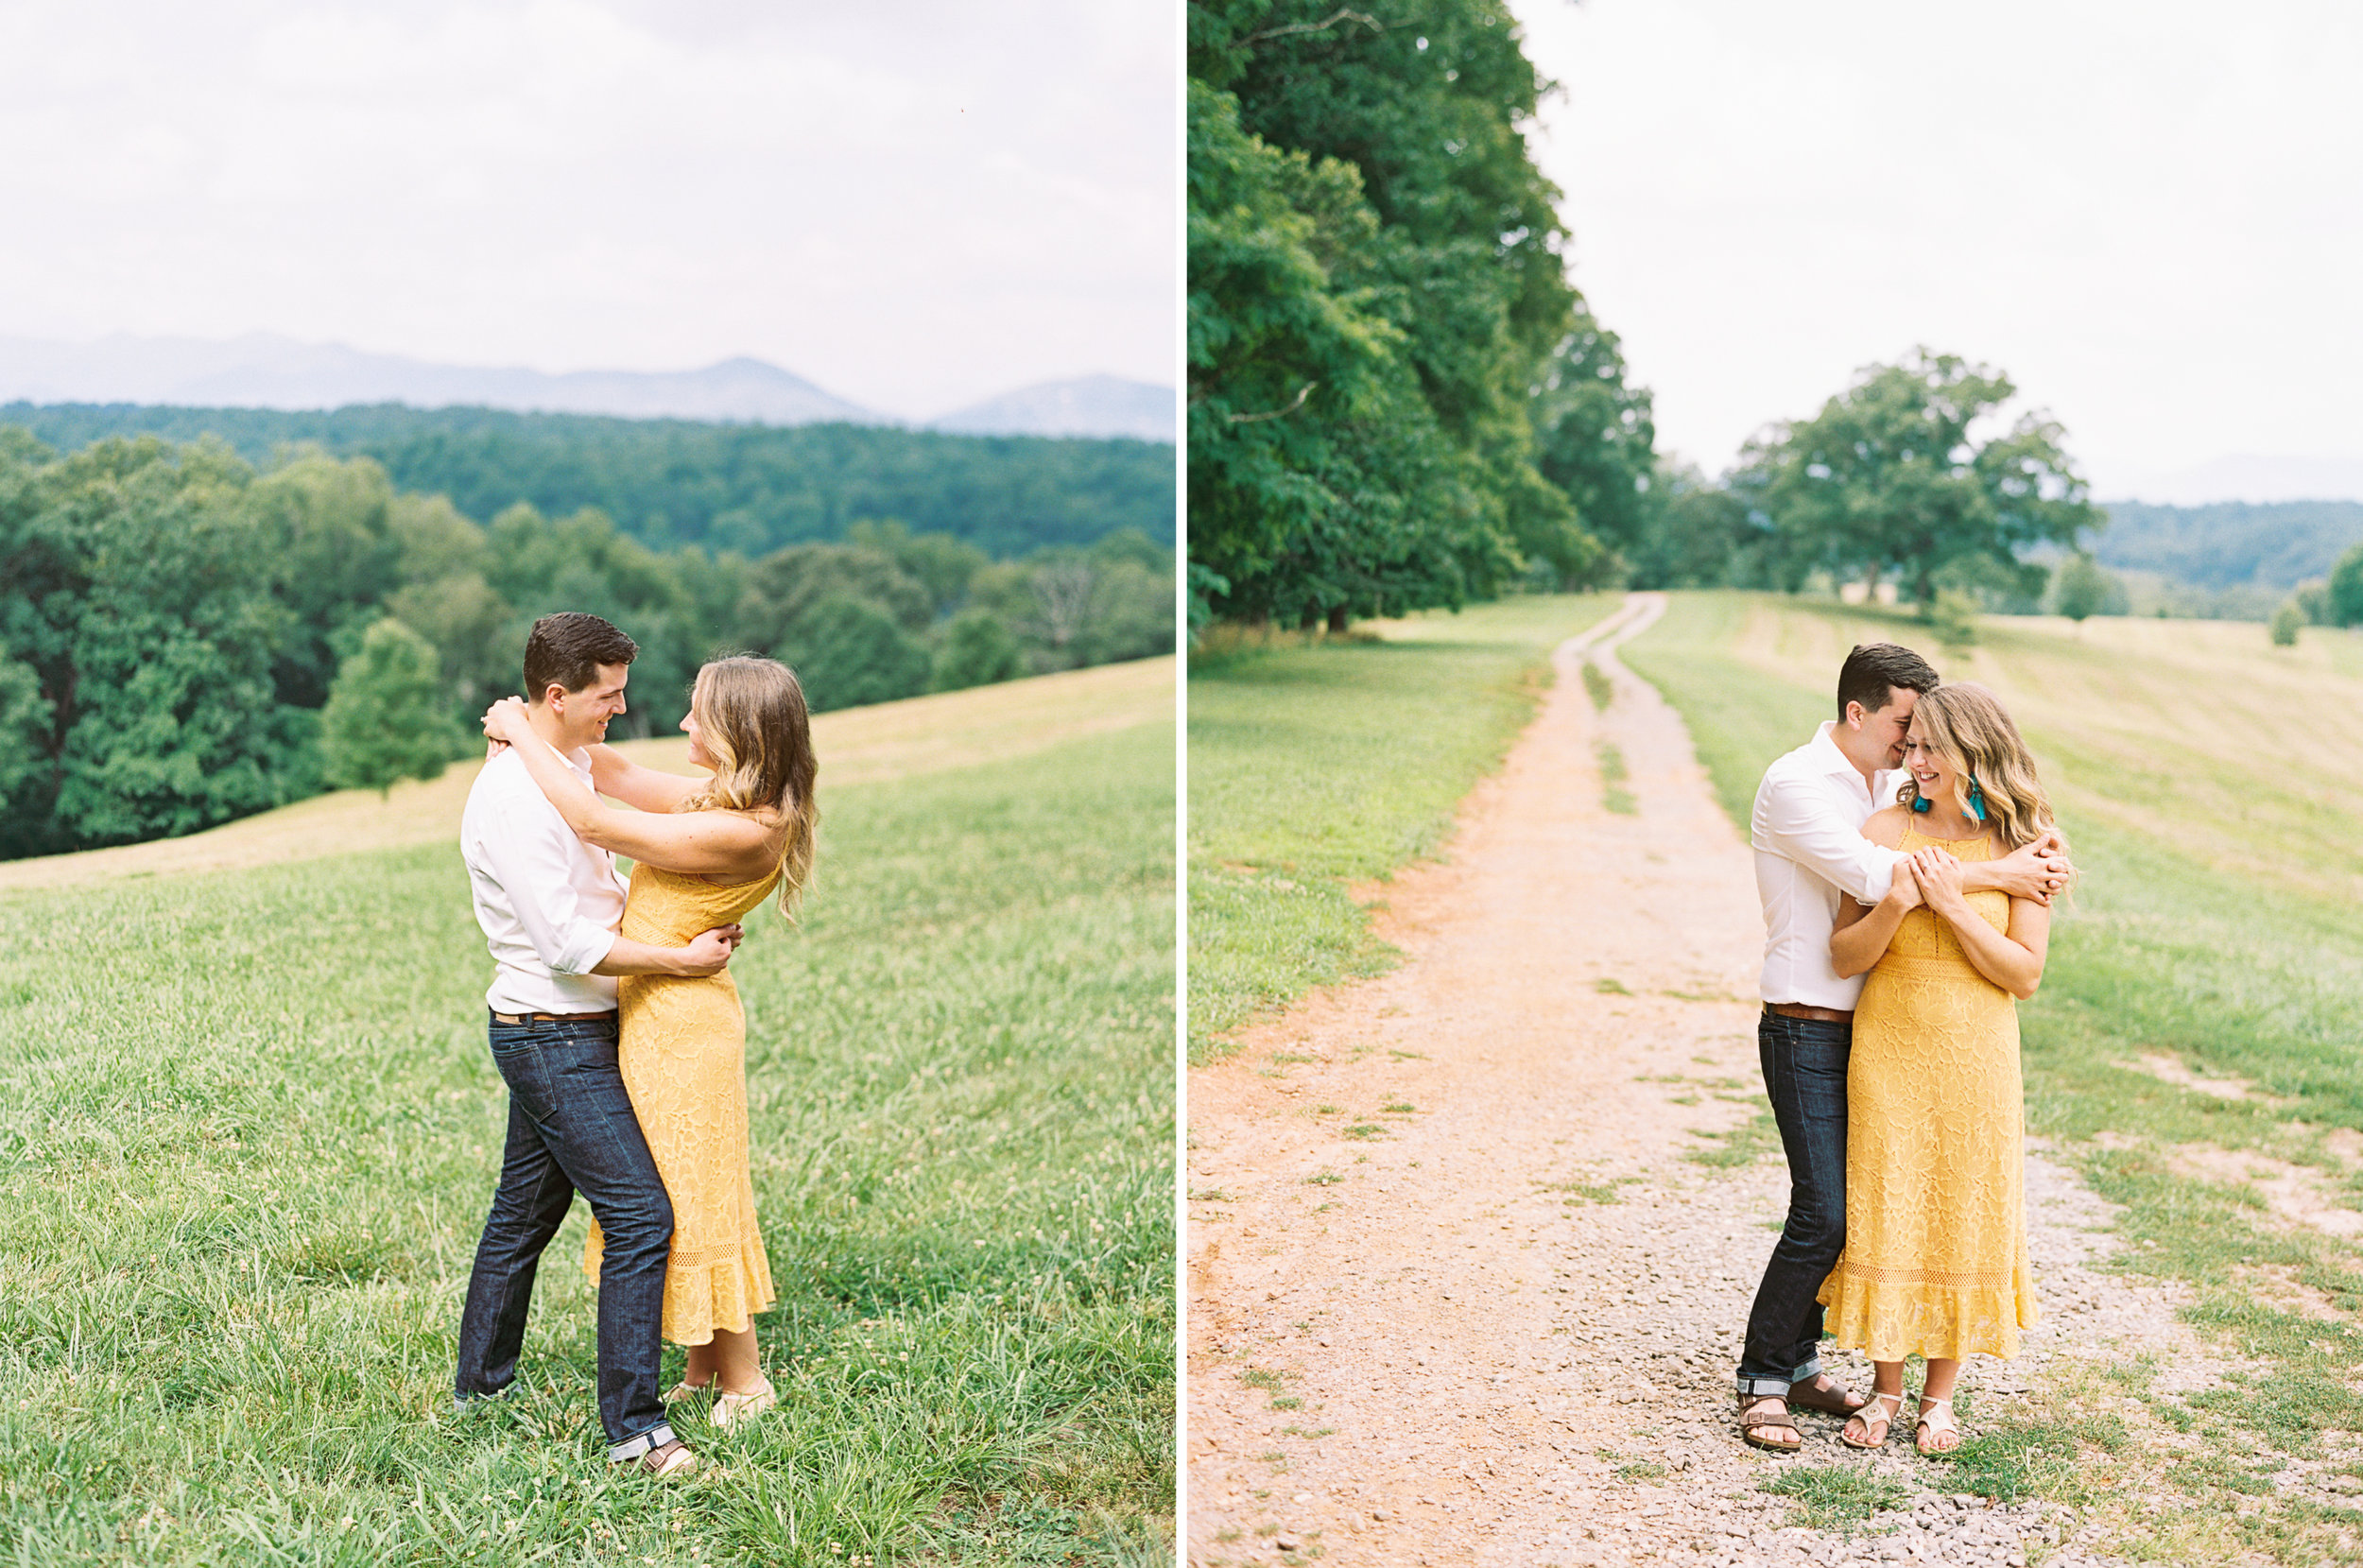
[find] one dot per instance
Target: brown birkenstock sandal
(1833, 1398)
(666, 1458)
(1754, 1418)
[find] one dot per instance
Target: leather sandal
(1871, 1415)
(672, 1459)
(1936, 1421)
(1835, 1400)
(1754, 1418)
(730, 1409)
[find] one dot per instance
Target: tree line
(746, 488)
(186, 638)
(1397, 399)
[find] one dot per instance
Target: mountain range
(264, 371)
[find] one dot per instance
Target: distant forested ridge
(746, 488)
(2231, 543)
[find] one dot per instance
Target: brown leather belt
(548, 1017)
(1818, 1015)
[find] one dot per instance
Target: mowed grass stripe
(2249, 971)
(1316, 766)
(249, 1127)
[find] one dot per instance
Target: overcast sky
(2150, 212)
(914, 203)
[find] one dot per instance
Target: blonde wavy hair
(1965, 724)
(752, 721)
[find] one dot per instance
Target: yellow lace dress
(682, 1049)
(1936, 1199)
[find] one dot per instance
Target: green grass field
(1315, 766)
(2215, 941)
(248, 1128)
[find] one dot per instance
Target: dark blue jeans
(571, 1129)
(1805, 1076)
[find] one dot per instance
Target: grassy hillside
(248, 1128)
(2193, 1049)
(1315, 766)
(750, 487)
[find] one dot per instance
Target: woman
(704, 853)
(1935, 1212)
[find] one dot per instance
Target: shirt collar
(1838, 763)
(1826, 752)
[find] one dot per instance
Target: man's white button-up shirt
(549, 903)
(1806, 830)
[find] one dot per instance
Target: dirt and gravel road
(1457, 1292)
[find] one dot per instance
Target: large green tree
(1595, 439)
(1376, 279)
(1889, 477)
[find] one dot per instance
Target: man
(1806, 831)
(549, 906)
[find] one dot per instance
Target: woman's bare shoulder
(1887, 825)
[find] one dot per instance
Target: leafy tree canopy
(1889, 477)
(149, 600)
(1376, 279)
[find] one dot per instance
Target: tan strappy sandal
(730, 1409)
(1936, 1419)
(1871, 1416)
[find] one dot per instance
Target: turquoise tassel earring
(1976, 800)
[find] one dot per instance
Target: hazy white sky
(912, 203)
(2150, 212)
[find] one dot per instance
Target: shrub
(386, 718)
(2080, 588)
(1952, 615)
(2346, 589)
(977, 650)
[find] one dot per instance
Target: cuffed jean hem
(1758, 1388)
(632, 1448)
(462, 1403)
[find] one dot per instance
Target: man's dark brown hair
(1873, 669)
(566, 650)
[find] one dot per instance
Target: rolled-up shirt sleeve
(528, 854)
(1795, 819)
